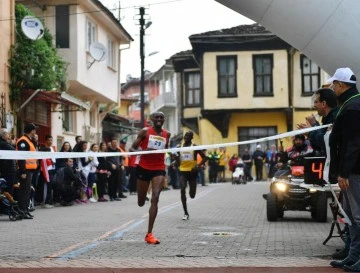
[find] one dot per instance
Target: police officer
(26, 168)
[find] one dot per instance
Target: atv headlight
(281, 186)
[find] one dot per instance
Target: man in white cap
(345, 158)
(258, 157)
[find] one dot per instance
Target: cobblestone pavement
(227, 228)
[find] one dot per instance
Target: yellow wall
(210, 135)
(299, 116)
(191, 112)
(124, 107)
(245, 82)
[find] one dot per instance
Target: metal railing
(164, 100)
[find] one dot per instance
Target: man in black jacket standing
(345, 158)
(115, 163)
(259, 157)
(246, 157)
(325, 103)
(7, 166)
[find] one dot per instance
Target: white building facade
(93, 86)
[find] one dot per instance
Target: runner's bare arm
(141, 135)
(203, 156)
(168, 136)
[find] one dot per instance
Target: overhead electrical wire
(102, 10)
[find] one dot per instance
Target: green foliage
(34, 64)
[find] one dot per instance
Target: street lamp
(143, 26)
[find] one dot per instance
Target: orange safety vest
(125, 157)
(30, 164)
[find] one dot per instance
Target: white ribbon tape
(22, 155)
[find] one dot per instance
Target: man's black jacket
(317, 137)
(345, 136)
(7, 166)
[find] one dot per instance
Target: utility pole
(142, 63)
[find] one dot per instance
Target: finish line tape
(22, 155)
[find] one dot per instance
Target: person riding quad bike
(294, 156)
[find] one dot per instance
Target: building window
(90, 34)
(263, 75)
(92, 117)
(226, 71)
(59, 142)
(167, 83)
(68, 119)
(310, 76)
(192, 89)
(250, 133)
(111, 54)
(62, 21)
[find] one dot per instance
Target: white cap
(258, 146)
(344, 74)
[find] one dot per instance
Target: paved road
(227, 230)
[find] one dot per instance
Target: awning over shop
(118, 124)
(53, 97)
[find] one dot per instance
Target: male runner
(188, 170)
(151, 167)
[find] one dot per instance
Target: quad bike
(288, 191)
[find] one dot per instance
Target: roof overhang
(86, 93)
(74, 100)
(118, 124)
(52, 97)
(325, 31)
(108, 19)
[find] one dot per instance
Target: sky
(173, 21)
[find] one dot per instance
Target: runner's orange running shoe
(151, 239)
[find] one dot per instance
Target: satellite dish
(32, 27)
(98, 51)
(128, 77)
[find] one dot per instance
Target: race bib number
(156, 142)
(186, 156)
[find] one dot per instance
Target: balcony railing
(165, 100)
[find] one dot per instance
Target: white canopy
(327, 31)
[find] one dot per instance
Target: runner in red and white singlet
(151, 167)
